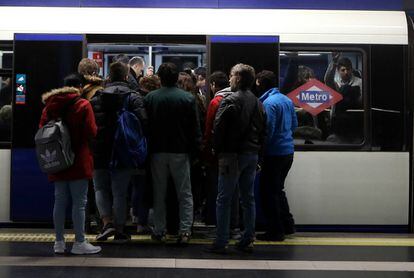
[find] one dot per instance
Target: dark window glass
(327, 90)
(389, 132)
(6, 64)
(6, 59)
(181, 61)
(5, 108)
(223, 56)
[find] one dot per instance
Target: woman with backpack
(71, 183)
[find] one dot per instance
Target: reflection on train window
(5, 108)
(6, 59)
(327, 90)
(6, 63)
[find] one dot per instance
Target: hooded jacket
(211, 114)
(82, 128)
(240, 124)
(106, 104)
(281, 123)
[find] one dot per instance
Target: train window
(6, 57)
(326, 88)
(5, 108)
(183, 55)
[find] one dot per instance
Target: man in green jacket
(174, 135)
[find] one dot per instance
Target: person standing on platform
(278, 158)
(111, 181)
(174, 136)
(239, 131)
(219, 86)
(72, 183)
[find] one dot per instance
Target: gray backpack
(53, 145)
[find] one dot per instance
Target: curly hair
(150, 83)
(88, 67)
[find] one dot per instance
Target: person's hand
(335, 56)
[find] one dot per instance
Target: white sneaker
(59, 247)
(84, 248)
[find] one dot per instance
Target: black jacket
(133, 80)
(106, 104)
(240, 124)
(173, 121)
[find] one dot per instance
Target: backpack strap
(127, 102)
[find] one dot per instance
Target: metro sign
(314, 96)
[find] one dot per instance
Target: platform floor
(28, 253)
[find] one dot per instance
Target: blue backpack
(130, 145)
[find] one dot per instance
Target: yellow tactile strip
(300, 240)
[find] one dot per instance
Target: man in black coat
(111, 181)
(239, 131)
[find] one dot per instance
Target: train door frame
(410, 103)
(23, 157)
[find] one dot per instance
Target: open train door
(41, 61)
(260, 52)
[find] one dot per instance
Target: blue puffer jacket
(281, 123)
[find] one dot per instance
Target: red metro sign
(314, 96)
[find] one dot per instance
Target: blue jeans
(236, 169)
(176, 165)
(140, 207)
(78, 191)
(111, 189)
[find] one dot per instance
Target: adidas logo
(50, 159)
(48, 156)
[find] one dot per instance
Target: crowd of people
(210, 154)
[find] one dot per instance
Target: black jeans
(273, 197)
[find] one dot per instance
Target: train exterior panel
(363, 184)
(293, 26)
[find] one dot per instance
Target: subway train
(356, 176)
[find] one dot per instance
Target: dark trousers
(140, 198)
(197, 177)
(274, 202)
(212, 183)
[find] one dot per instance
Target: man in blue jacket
(278, 157)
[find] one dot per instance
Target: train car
(350, 174)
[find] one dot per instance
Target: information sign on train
(314, 97)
